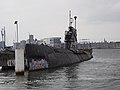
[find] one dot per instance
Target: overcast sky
(97, 19)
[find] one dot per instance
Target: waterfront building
(31, 39)
(56, 42)
(53, 41)
(100, 45)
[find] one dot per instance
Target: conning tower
(71, 34)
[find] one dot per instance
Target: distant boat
(45, 57)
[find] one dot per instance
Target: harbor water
(100, 73)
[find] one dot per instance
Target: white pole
(19, 61)
(16, 22)
(17, 32)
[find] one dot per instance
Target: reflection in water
(38, 78)
(45, 79)
(54, 78)
(71, 74)
(37, 75)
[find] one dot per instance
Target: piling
(19, 61)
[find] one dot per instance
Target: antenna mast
(3, 36)
(70, 19)
(75, 17)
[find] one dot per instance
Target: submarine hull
(45, 57)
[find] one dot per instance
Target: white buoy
(19, 61)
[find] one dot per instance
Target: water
(100, 73)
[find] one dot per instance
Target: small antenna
(4, 36)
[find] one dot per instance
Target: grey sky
(97, 19)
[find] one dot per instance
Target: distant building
(100, 45)
(2, 45)
(31, 39)
(22, 44)
(117, 44)
(53, 41)
(56, 42)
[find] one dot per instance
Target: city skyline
(97, 19)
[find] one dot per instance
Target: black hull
(45, 57)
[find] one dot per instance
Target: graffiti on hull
(35, 64)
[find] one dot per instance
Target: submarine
(42, 56)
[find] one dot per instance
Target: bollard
(19, 61)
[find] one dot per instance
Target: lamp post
(16, 22)
(75, 21)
